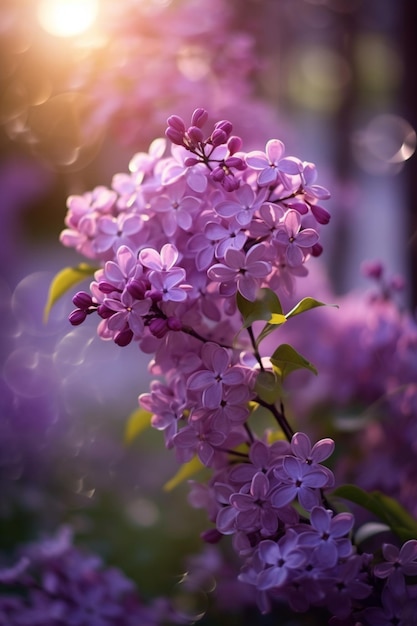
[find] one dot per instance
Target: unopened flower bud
(104, 311)
(316, 250)
(82, 300)
(123, 338)
(177, 123)
(175, 136)
(137, 288)
(218, 137)
(106, 287)
(158, 327)
(195, 134)
(225, 126)
(77, 317)
(236, 162)
(190, 161)
(217, 174)
(321, 214)
(199, 117)
(234, 144)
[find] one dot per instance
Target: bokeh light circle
(67, 18)
(28, 372)
(384, 144)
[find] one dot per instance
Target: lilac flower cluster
(178, 239)
(53, 583)
(182, 241)
(181, 234)
(294, 548)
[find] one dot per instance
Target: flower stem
(255, 347)
(279, 416)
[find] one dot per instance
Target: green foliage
(387, 509)
(185, 471)
(137, 422)
(266, 307)
(286, 359)
(63, 281)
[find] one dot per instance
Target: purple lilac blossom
(397, 564)
(248, 223)
(63, 585)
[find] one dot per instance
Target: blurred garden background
(86, 84)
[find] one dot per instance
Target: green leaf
(287, 360)
(186, 471)
(305, 305)
(387, 509)
(276, 320)
(268, 387)
(63, 281)
(266, 307)
(137, 422)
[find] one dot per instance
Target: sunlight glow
(67, 18)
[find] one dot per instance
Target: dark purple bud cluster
(216, 151)
(85, 306)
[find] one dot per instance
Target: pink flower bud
(177, 123)
(218, 137)
(199, 117)
(225, 126)
(106, 287)
(158, 327)
(195, 134)
(236, 162)
(217, 174)
(190, 161)
(175, 136)
(230, 183)
(234, 144)
(321, 214)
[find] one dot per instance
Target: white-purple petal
(294, 254)
(307, 238)
(301, 445)
(341, 524)
(257, 160)
(320, 519)
(274, 150)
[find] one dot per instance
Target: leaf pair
(285, 359)
(267, 307)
